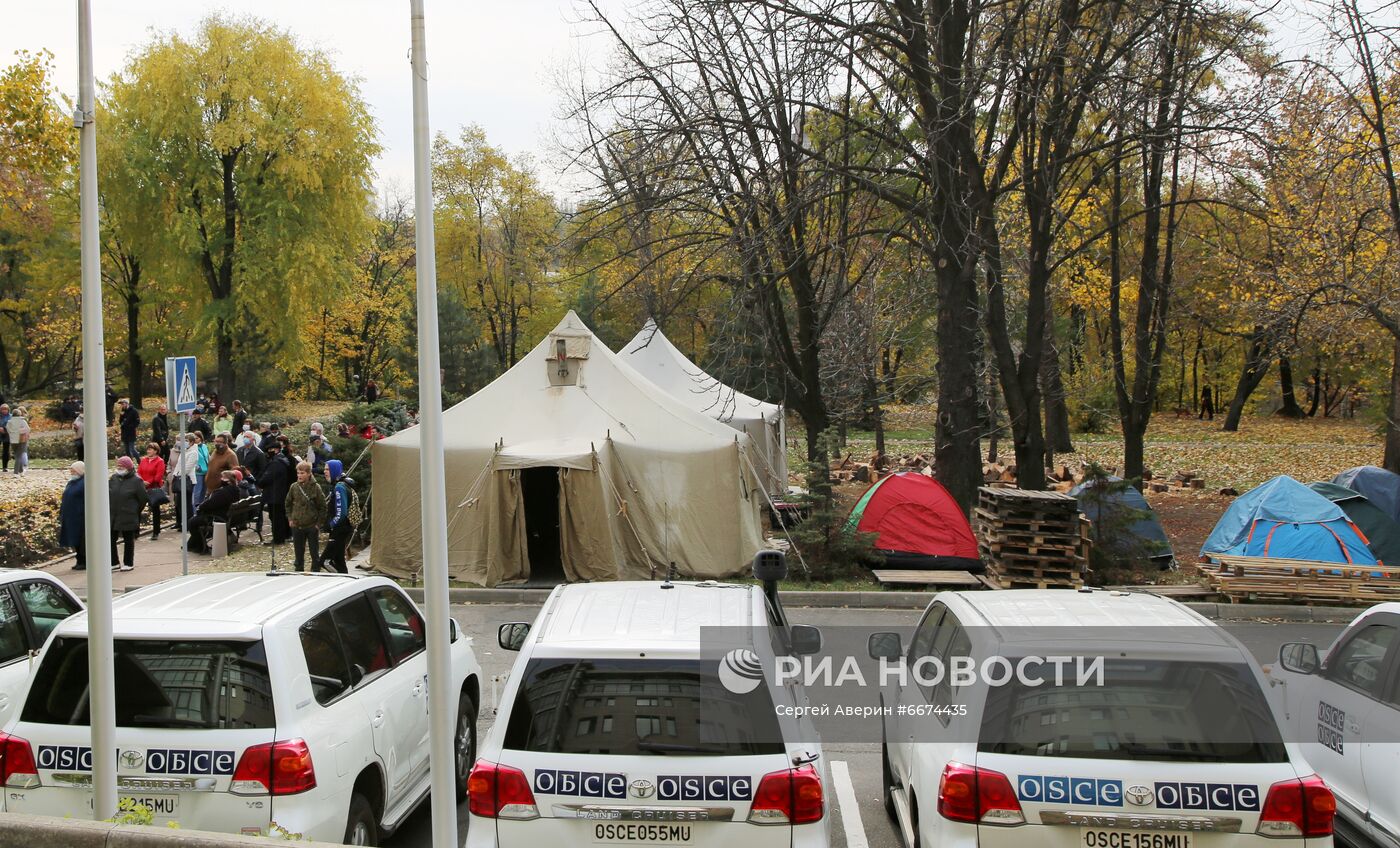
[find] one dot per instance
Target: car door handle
(378, 720)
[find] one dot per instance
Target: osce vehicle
(1173, 744)
(1346, 711)
(245, 700)
(613, 730)
(32, 604)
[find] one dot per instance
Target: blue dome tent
(1284, 519)
(1111, 506)
(1380, 487)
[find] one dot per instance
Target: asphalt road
(865, 823)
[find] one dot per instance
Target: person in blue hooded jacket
(339, 526)
(71, 516)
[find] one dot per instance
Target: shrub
(388, 415)
(830, 552)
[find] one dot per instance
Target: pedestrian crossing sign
(180, 381)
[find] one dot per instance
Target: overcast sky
(491, 62)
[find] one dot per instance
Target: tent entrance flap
(539, 489)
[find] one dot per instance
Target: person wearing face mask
(306, 510)
(127, 499)
(72, 518)
(221, 459)
(338, 505)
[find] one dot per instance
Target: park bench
(242, 515)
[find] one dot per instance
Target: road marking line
(850, 808)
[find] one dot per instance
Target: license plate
(1098, 838)
(161, 806)
(632, 833)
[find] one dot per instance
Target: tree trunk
(957, 456)
(1256, 365)
(223, 339)
(1392, 424)
(134, 365)
(1316, 392)
(1290, 408)
(1057, 435)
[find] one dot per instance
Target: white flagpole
(102, 690)
(433, 493)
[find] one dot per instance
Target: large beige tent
(572, 466)
(653, 355)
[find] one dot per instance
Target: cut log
(1198, 483)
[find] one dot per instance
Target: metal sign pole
(102, 695)
(433, 490)
(184, 502)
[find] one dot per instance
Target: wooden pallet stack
(1243, 578)
(1032, 540)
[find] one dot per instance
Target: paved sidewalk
(160, 560)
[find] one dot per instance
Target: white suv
(32, 604)
(1346, 708)
(1173, 745)
(247, 703)
(614, 729)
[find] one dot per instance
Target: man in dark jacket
(111, 398)
(71, 516)
(130, 422)
(214, 508)
(160, 431)
(127, 498)
(198, 424)
(240, 417)
(251, 457)
(275, 480)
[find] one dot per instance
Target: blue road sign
(180, 393)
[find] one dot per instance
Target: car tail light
(977, 796)
(17, 767)
(495, 791)
(276, 768)
(790, 796)
(1303, 807)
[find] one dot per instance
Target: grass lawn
(1263, 448)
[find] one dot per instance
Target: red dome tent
(917, 524)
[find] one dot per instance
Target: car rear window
(638, 707)
(1145, 710)
(160, 683)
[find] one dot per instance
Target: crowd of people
(225, 459)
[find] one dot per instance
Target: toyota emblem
(642, 788)
(133, 759)
(1138, 795)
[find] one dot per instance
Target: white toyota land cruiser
(614, 728)
(244, 702)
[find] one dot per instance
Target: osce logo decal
(1070, 790)
(65, 758)
(176, 761)
(586, 784)
(158, 760)
(1208, 796)
(685, 787)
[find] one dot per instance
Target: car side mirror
(512, 635)
(454, 630)
(357, 673)
(1299, 658)
(885, 646)
(806, 639)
